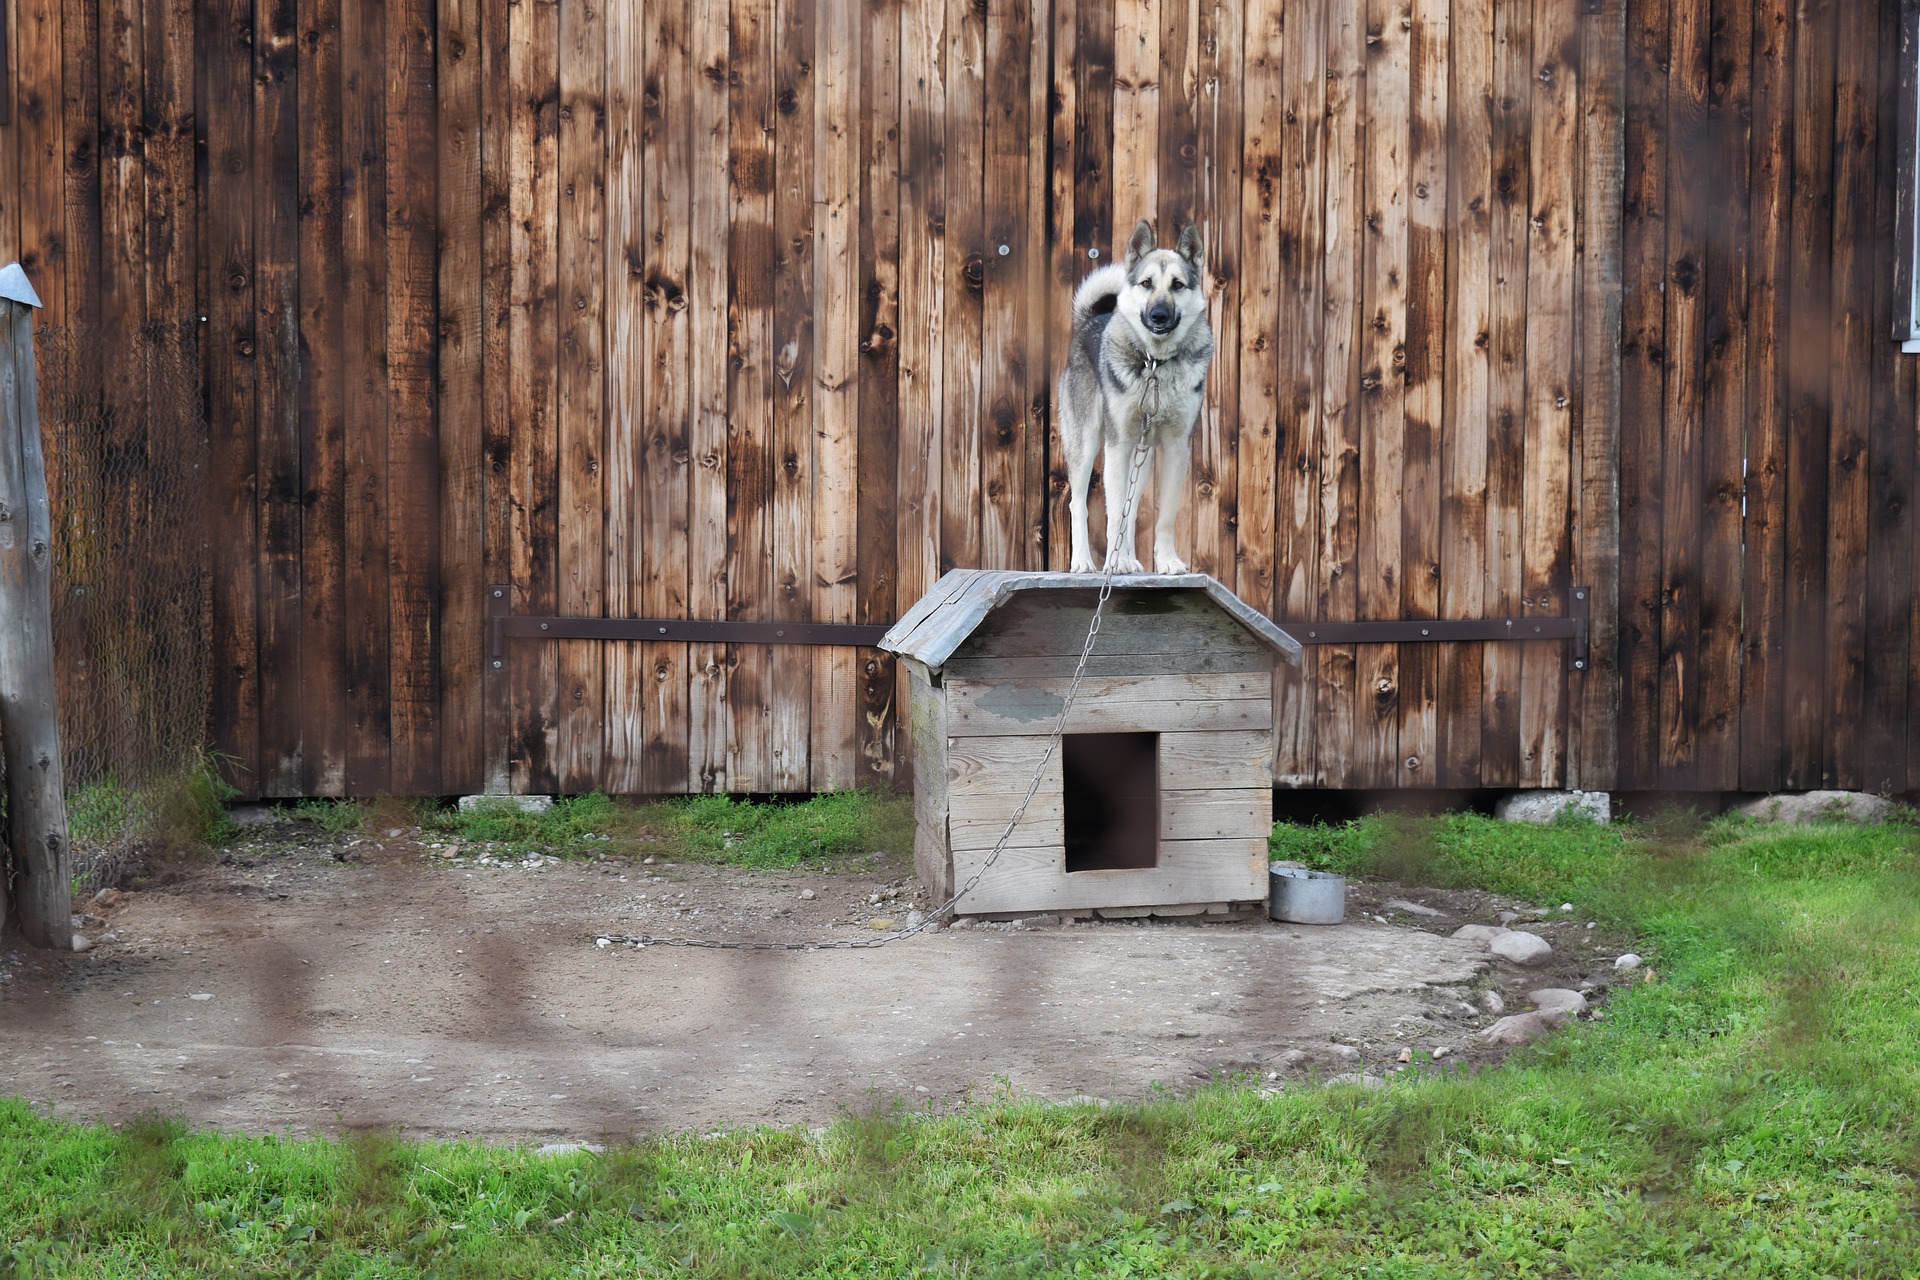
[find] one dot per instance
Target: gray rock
(1507, 917)
(1492, 1003)
(1516, 1029)
(1627, 963)
(1344, 1052)
(1558, 1000)
(806, 895)
(1294, 1059)
(1545, 806)
(81, 944)
(525, 804)
(1521, 947)
(1816, 806)
(962, 922)
(1480, 932)
(1411, 908)
(915, 919)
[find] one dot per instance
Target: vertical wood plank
(40, 127)
(962, 289)
(1066, 259)
(1546, 507)
(285, 699)
(1336, 734)
(580, 390)
(1261, 322)
(1005, 334)
(1855, 330)
(1724, 386)
(709, 716)
(167, 143)
(1594, 701)
(667, 174)
(1642, 390)
(1096, 50)
(790, 669)
(1426, 334)
(1891, 447)
(751, 254)
(498, 528)
(1383, 381)
(1680, 682)
(1507, 443)
(1809, 391)
(1469, 373)
(233, 513)
(323, 400)
(458, 390)
(414, 148)
(80, 105)
(922, 273)
(1300, 252)
(1763, 534)
(533, 189)
(123, 211)
(365, 305)
(836, 396)
(878, 371)
(628, 682)
(1136, 114)
(1214, 486)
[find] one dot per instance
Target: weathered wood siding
(751, 309)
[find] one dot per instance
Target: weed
(335, 817)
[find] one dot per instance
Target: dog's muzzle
(1159, 321)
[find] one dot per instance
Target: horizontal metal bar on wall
(506, 625)
(1437, 630)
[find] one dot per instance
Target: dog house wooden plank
(1205, 761)
(1157, 623)
(926, 721)
(977, 821)
(1227, 700)
(1198, 661)
(1029, 879)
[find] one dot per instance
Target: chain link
(932, 918)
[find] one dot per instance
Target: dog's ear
(1141, 243)
(1192, 247)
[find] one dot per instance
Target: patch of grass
(718, 829)
(335, 817)
(1749, 1113)
(116, 827)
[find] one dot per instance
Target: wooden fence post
(29, 712)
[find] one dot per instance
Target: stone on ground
(525, 804)
(1480, 932)
(1492, 1003)
(1411, 908)
(1517, 1029)
(1816, 806)
(1521, 947)
(1627, 962)
(1558, 1003)
(1545, 806)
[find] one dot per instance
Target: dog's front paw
(1169, 564)
(1082, 562)
(1127, 564)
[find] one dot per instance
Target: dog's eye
(1178, 285)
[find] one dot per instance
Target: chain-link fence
(127, 471)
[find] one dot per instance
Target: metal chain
(933, 917)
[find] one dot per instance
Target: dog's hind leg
(1170, 491)
(1122, 508)
(1080, 458)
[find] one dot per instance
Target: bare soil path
(310, 982)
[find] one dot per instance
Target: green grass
(1748, 1114)
(716, 829)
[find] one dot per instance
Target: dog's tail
(1099, 293)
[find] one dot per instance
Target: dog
(1135, 367)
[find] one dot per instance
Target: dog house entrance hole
(1111, 784)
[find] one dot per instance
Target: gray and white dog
(1139, 355)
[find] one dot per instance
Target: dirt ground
(312, 982)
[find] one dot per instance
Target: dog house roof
(962, 599)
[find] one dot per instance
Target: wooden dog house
(1160, 797)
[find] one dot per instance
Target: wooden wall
(751, 311)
